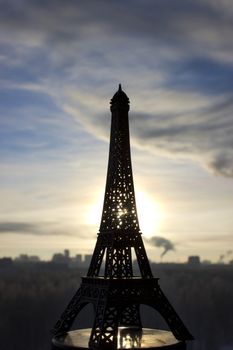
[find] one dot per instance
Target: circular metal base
(128, 338)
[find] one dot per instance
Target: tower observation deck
(110, 285)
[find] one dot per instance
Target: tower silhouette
(117, 294)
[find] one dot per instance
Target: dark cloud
(161, 22)
(204, 134)
(31, 228)
(200, 73)
(78, 45)
(222, 163)
(161, 242)
(45, 228)
(17, 227)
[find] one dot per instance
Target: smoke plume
(222, 257)
(163, 243)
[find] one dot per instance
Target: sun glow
(149, 214)
(94, 213)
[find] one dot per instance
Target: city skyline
(84, 259)
(60, 65)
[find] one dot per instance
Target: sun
(149, 214)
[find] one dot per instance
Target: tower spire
(119, 222)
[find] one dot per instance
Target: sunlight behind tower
(150, 213)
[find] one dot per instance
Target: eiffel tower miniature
(118, 294)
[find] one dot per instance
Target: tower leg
(96, 260)
(162, 305)
(130, 316)
(104, 331)
(68, 316)
(142, 259)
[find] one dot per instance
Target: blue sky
(60, 63)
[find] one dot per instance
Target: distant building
(34, 258)
(87, 260)
(76, 262)
(206, 262)
(6, 262)
(59, 258)
(67, 253)
(78, 259)
(194, 260)
(24, 258)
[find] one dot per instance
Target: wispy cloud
(45, 229)
(202, 135)
(177, 64)
(200, 130)
(20, 227)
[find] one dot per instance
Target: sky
(60, 64)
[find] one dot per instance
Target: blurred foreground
(33, 296)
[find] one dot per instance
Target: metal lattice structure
(118, 236)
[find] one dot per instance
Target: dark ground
(32, 298)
